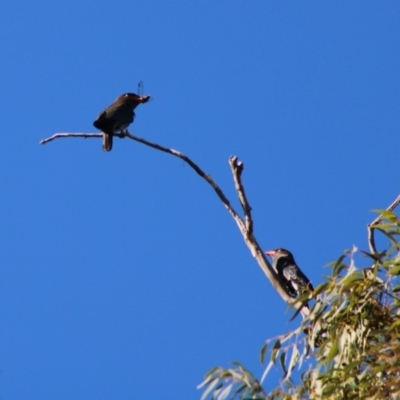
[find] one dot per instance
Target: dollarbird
(117, 117)
(290, 274)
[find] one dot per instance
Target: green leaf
(298, 310)
(388, 215)
(321, 288)
(275, 350)
(395, 270)
(217, 391)
(225, 392)
(282, 361)
(293, 360)
(264, 375)
(349, 281)
(338, 266)
(210, 388)
(208, 377)
(263, 351)
(239, 389)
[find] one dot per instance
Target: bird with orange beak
(117, 117)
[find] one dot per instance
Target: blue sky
(122, 275)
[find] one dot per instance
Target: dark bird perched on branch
(295, 283)
(290, 274)
(117, 117)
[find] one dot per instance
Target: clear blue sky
(122, 275)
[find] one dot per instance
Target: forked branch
(372, 226)
(245, 226)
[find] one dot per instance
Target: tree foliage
(350, 339)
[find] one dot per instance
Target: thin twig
(371, 227)
(246, 229)
(66, 135)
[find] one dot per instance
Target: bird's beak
(270, 253)
(144, 99)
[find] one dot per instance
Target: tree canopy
(350, 337)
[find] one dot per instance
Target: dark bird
(117, 117)
(288, 271)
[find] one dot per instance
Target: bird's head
(278, 253)
(132, 99)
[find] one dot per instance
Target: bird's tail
(107, 141)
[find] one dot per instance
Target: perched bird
(291, 275)
(117, 117)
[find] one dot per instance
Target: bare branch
(246, 228)
(198, 170)
(237, 169)
(65, 135)
(175, 153)
(371, 227)
(251, 242)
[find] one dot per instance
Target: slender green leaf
(263, 351)
(275, 350)
(282, 361)
(209, 389)
(293, 360)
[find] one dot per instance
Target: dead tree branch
(66, 135)
(237, 169)
(372, 226)
(245, 227)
